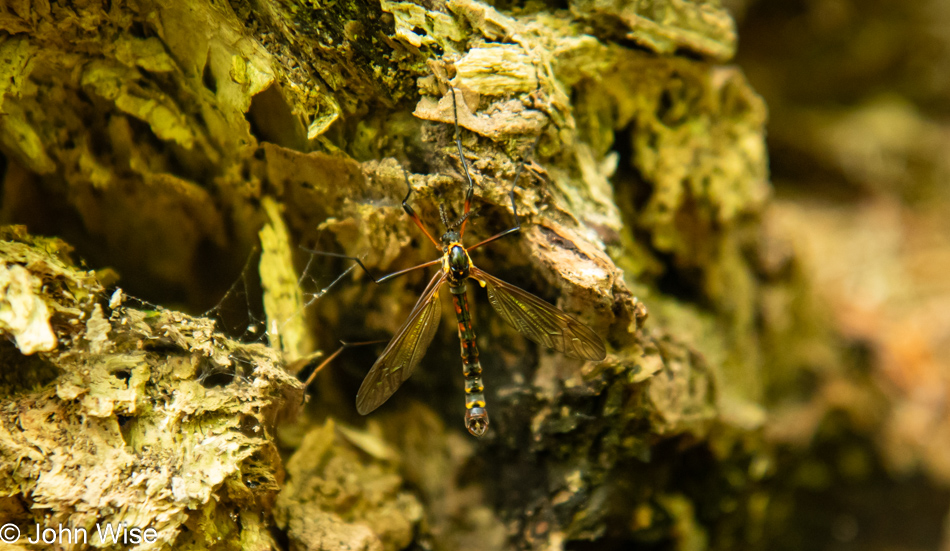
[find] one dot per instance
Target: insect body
(533, 317)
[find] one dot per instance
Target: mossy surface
(152, 419)
(166, 140)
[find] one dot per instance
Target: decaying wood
(147, 418)
(161, 137)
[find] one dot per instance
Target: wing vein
(540, 321)
(404, 351)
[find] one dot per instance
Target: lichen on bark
(173, 135)
(149, 417)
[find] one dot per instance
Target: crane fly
(534, 318)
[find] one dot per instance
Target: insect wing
(404, 352)
(540, 321)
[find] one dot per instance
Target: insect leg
(458, 144)
(370, 274)
(343, 346)
(514, 207)
(412, 214)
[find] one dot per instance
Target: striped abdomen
(476, 418)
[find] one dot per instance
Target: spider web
(239, 314)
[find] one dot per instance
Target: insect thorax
(456, 263)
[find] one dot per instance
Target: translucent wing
(541, 322)
(404, 352)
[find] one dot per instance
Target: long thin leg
(514, 207)
(495, 237)
(343, 345)
(412, 214)
(458, 144)
(370, 274)
(323, 364)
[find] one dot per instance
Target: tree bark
(159, 138)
